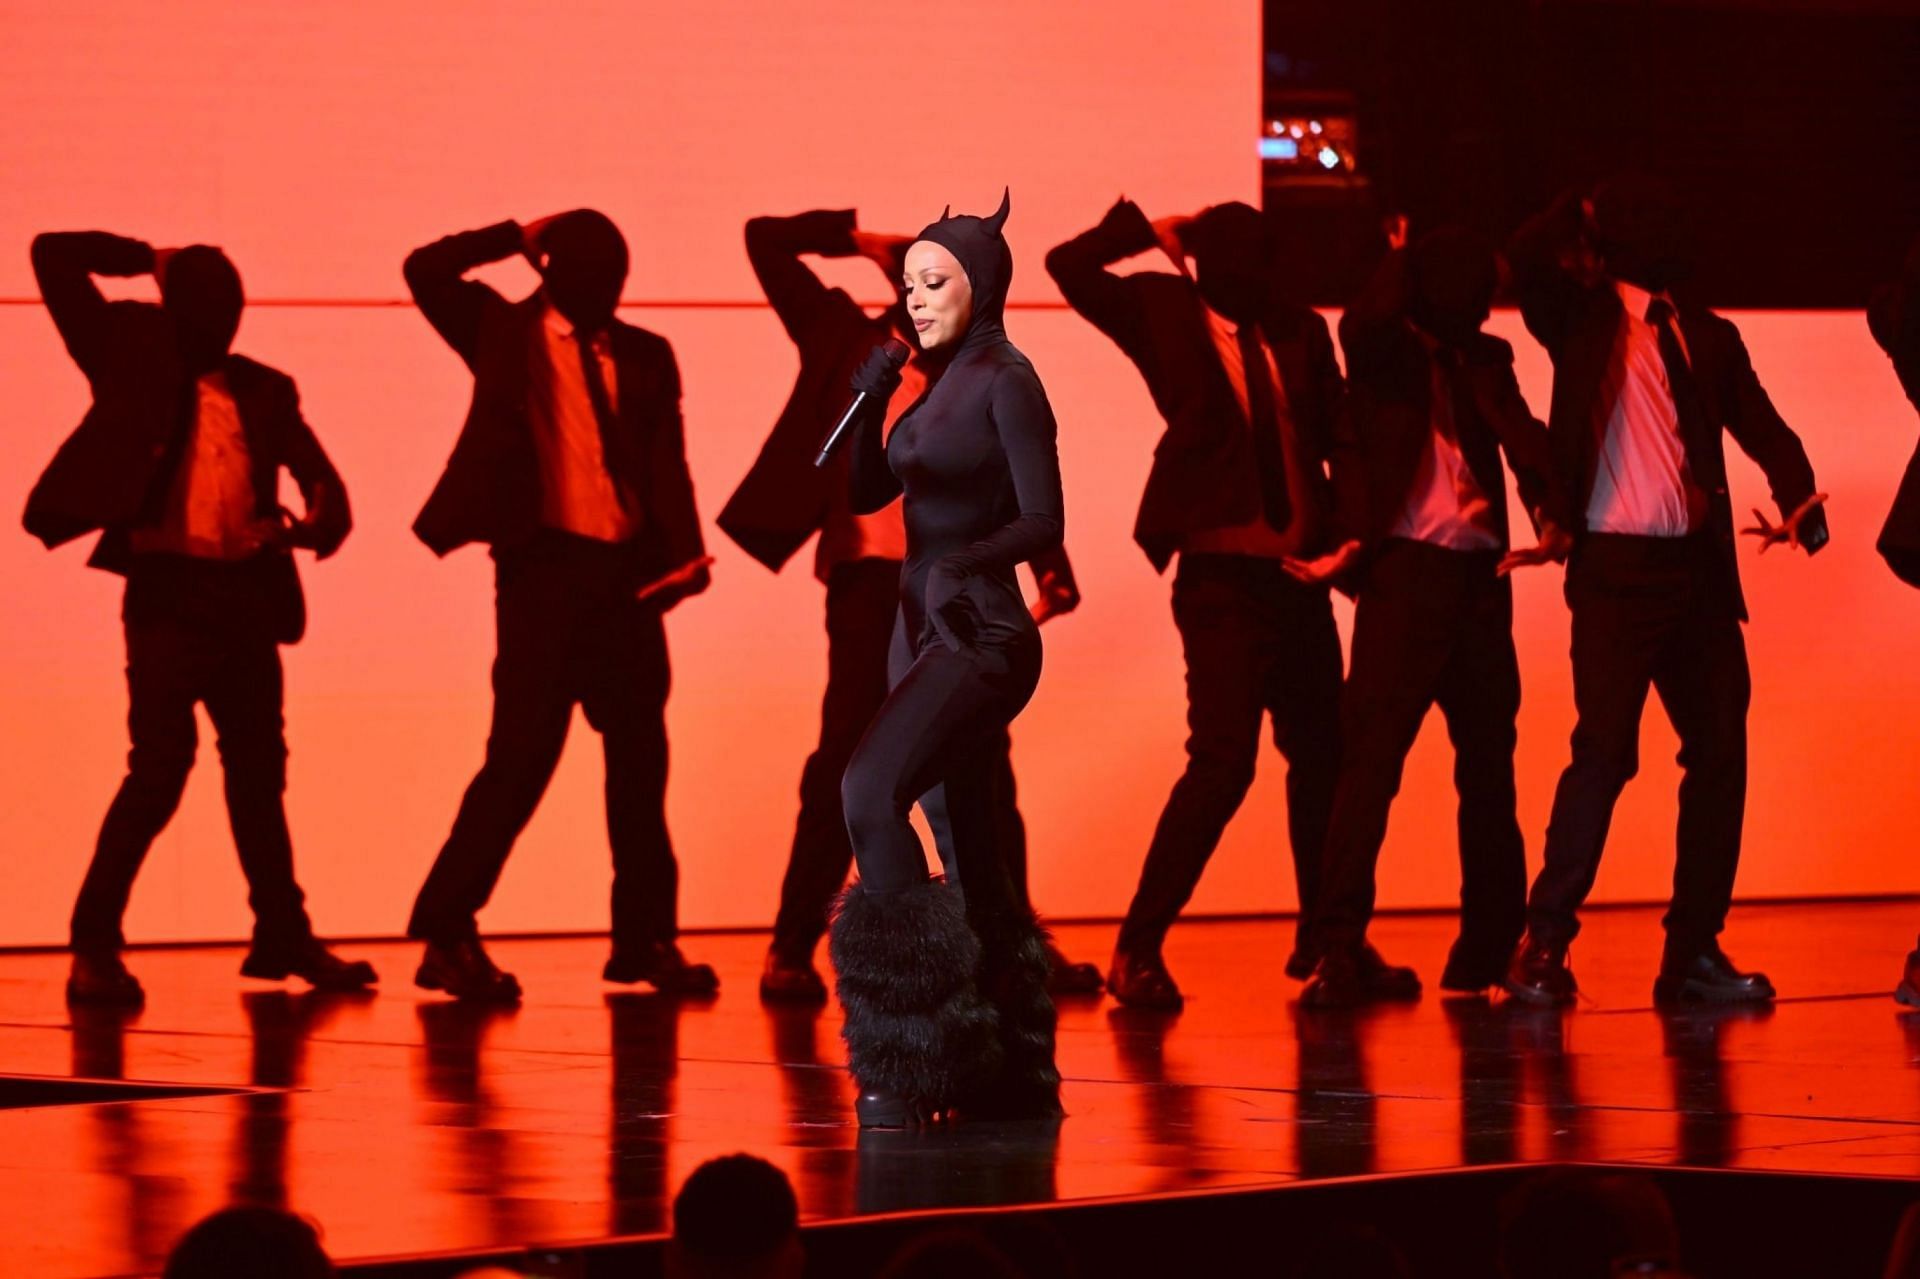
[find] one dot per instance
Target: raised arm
(436, 276)
(1109, 300)
(1377, 314)
(64, 264)
(775, 247)
(1543, 256)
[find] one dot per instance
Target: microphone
(896, 352)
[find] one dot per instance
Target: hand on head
(1235, 251)
(1640, 229)
(582, 260)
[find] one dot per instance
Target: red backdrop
(319, 145)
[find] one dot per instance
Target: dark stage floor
(406, 1125)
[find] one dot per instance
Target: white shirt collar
(562, 328)
(1635, 300)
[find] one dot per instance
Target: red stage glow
(319, 146)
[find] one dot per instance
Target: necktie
(1696, 434)
(626, 476)
(1263, 413)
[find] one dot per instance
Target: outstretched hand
(1788, 531)
(1323, 568)
(1550, 547)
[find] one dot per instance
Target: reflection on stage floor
(407, 1125)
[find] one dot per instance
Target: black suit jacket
(490, 490)
(113, 472)
(1384, 432)
(785, 498)
(1579, 322)
(1894, 318)
(1204, 471)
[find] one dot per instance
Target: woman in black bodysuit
(944, 984)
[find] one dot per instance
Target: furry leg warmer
(906, 965)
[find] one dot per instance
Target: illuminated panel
(319, 144)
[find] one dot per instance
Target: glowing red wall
(318, 147)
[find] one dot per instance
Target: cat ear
(946, 213)
(999, 218)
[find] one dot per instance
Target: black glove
(878, 375)
(952, 614)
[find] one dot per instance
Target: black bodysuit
(976, 460)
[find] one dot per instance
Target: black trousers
(233, 669)
(944, 724)
(1651, 612)
(866, 649)
(1432, 626)
(1257, 643)
(570, 632)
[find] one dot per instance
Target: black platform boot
(919, 1036)
(1015, 964)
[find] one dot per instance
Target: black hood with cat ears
(983, 254)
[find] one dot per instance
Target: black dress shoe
(786, 980)
(661, 965)
(1708, 977)
(310, 961)
(1302, 962)
(1067, 977)
(1539, 974)
(1142, 981)
(1387, 983)
(1348, 976)
(1471, 970)
(1908, 991)
(1338, 981)
(100, 980)
(465, 971)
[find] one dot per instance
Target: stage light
(1310, 139)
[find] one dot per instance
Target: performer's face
(1454, 279)
(584, 267)
(939, 295)
(203, 296)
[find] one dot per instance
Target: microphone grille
(896, 351)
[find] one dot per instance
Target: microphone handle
(831, 444)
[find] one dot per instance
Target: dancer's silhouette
(1247, 383)
(1644, 385)
(572, 468)
(177, 465)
